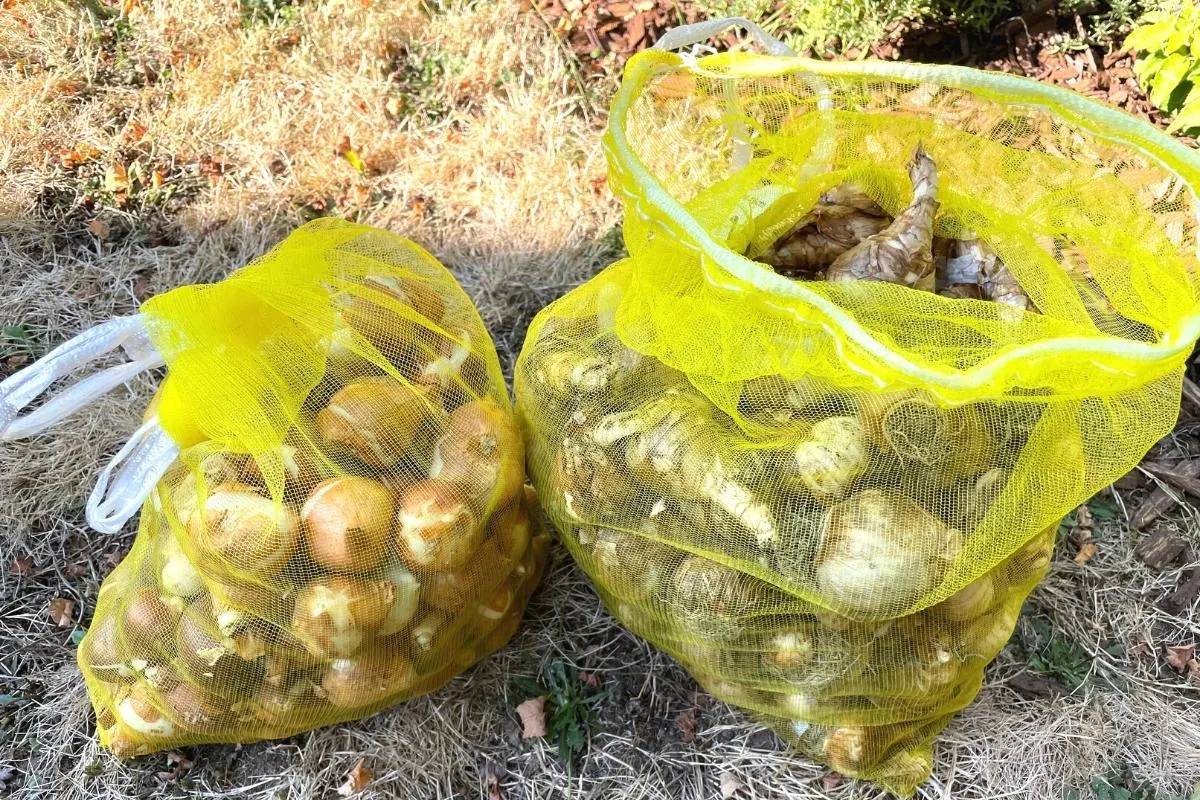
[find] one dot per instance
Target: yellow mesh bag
(829, 500)
(342, 523)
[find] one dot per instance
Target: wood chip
(1160, 549)
(21, 566)
(533, 718)
(1182, 597)
(1158, 501)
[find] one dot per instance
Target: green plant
(1120, 784)
(16, 340)
(1168, 62)
(1048, 652)
(268, 11)
(570, 707)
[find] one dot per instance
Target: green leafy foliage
(1050, 653)
(570, 707)
(16, 340)
(1120, 784)
(268, 12)
(1168, 62)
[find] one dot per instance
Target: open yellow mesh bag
(346, 524)
(829, 500)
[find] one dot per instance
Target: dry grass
(479, 145)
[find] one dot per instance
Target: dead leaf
(116, 178)
(687, 722)
(134, 131)
(591, 680)
(156, 178)
(1179, 655)
(22, 566)
(130, 7)
(98, 228)
(730, 785)
(832, 781)
(75, 571)
(533, 718)
(62, 612)
(1087, 551)
(356, 779)
(1083, 518)
(141, 288)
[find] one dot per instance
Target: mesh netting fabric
(829, 500)
(347, 525)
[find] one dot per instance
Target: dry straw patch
(477, 142)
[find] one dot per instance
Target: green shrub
(1168, 62)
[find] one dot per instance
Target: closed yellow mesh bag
(346, 525)
(829, 500)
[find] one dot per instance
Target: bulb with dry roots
(903, 251)
(141, 715)
(711, 598)
(348, 523)
(843, 217)
(436, 529)
(481, 452)
(881, 553)
(337, 615)
(382, 308)
(147, 622)
(833, 455)
(366, 679)
(231, 666)
(375, 419)
(251, 533)
(101, 653)
(972, 601)
(629, 565)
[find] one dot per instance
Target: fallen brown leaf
(687, 722)
(134, 131)
(832, 781)
(157, 179)
(356, 779)
(141, 288)
(730, 785)
(533, 718)
(591, 680)
(1179, 655)
(116, 178)
(22, 566)
(1087, 551)
(98, 228)
(62, 612)
(75, 571)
